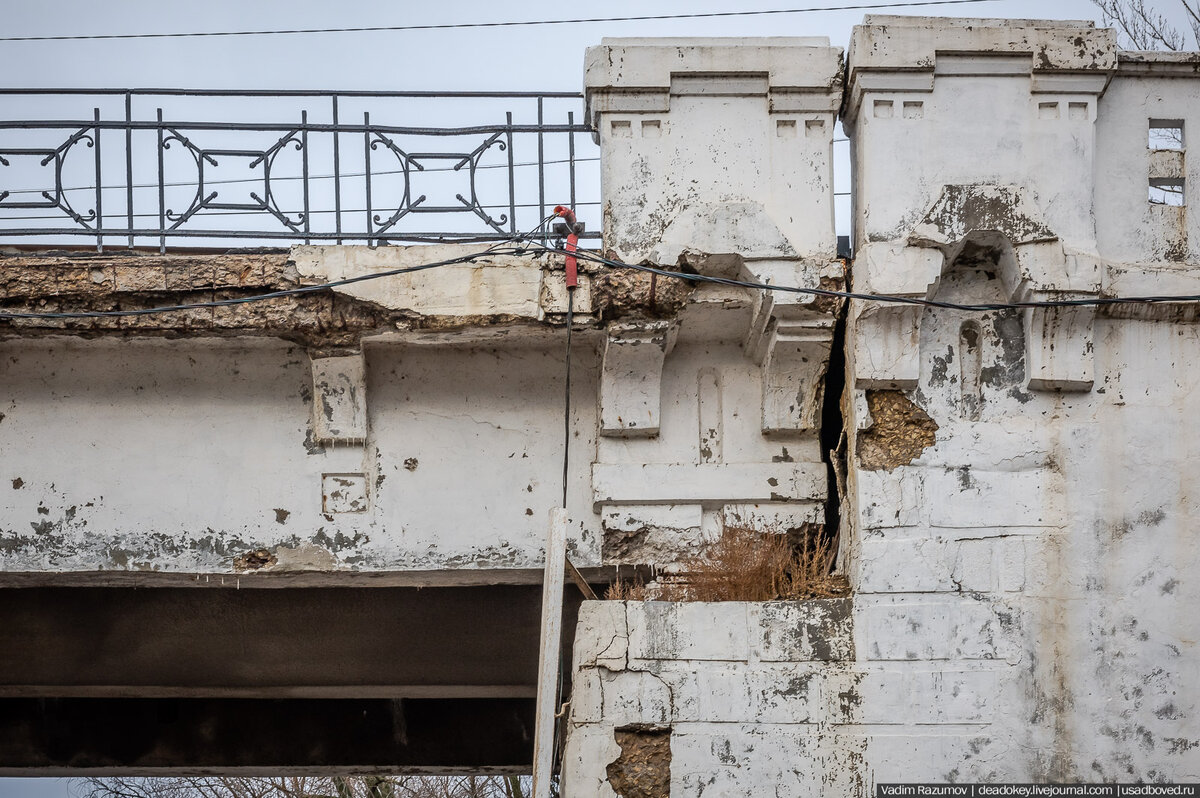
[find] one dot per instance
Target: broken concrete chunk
(622, 293)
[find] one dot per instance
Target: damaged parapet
(320, 432)
(717, 160)
(717, 156)
(1013, 174)
(716, 146)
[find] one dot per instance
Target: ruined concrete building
(309, 532)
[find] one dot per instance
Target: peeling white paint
(1024, 605)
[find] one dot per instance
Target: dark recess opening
(833, 427)
(144, 735)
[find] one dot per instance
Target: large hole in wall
(900, 431)
(643, 770)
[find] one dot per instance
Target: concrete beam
(325, 642)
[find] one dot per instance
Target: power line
(511, 24)
(887, 298)
(513, 249)
(287, 292)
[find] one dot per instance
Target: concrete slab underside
(391, 679)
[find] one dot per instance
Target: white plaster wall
(1022, 579)
(1023, 604)
(710, 465)
(1130, 229)
(714, 147)
(749, 173)
(183, 456)
(973, 129)
(739, 435)
(485, 428)
(718, 146)
(753, 704)
(1044, 550)
(179, 456)
(1023, 607)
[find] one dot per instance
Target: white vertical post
(548, 654)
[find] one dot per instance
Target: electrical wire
(885, 298)
(287, 292)
(529, 240)
(496, 249)
(511, 24)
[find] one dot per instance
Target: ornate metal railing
(146, 166)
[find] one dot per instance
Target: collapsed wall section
(716, 161)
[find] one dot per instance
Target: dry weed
(749, 565)
(629, 590)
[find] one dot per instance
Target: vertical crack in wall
(833, 427)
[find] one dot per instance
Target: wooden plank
(549, 653)
(580, 582)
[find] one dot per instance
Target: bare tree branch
(1192, 7)
(305, 787)
(1144, 28)
(1157, 26)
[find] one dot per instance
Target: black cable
(888, 298)
(287, 292)
(529, 238)
(567, 395)
(513, 24)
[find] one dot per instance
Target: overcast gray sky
(534, 58)
(529, 58)
(547, 58)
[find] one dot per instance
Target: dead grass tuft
(628, 590)
(749, 565)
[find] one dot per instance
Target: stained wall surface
(1010, 487)
(1018, 497)
(188, 457)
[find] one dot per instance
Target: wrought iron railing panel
(147, 166)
